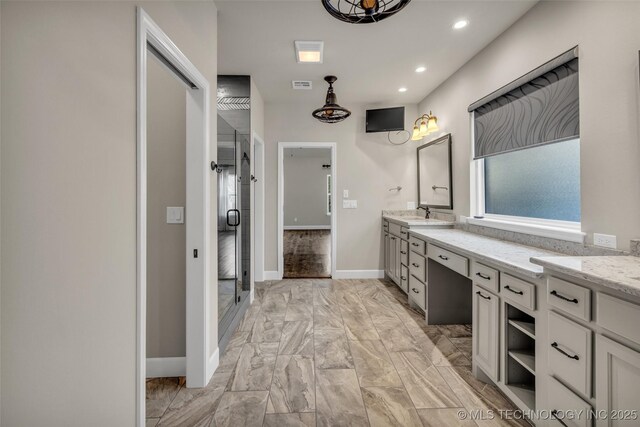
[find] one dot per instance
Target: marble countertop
(417, 221)
(621, 273)
(511, 256)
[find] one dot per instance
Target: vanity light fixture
(331, 112)
(428, 124)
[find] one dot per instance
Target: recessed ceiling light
(309, 52)
(402, 89)
(460, 24)
(420, 69)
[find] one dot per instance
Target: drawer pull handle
(403, 278)
(393, 238)
(483, 276)
(415, 244)
(480, 293)
(415, 265)
(415, 290)
(514, 291)
(554, 414)
(403, 252)
(442, 257)
(555, 346)
(557, 295)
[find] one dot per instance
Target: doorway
(306, 215)
(200, 358)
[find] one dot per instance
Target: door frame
(334, 168)
(198, 311)
(258, 211)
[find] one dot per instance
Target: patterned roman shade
(540, 107)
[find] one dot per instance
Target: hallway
(333, 352)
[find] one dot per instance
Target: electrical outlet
(605, 240)
(411, 206)
(295, 219)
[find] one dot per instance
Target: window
(541, 182)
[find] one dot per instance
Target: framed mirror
(435, 183)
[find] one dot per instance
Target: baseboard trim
(359, 274)
(159, 367)
(272, 275)
(307, 227)
(214, 361)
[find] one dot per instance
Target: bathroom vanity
(557, 334)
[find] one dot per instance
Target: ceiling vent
(301, 84)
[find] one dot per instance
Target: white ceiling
(371, 60)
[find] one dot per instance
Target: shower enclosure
(234, 203)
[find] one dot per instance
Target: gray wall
(305, 187)
(608, 35)
(166, 243)
(68, 227)
(367, 165)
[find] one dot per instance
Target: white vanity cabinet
(486, 331)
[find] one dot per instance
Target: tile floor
(333, 353)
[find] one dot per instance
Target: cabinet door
(485, 331)
(387, 255)
(398, 265)
(617, 383)
(393, 258)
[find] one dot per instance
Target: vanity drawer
(518, 291)
(404, 253)
(485, 276)
(417, 292)
(569, 352)
(404, 278)
(385, 225)
(455, 262)
(395, 229)
(404, 233)
(417, 245)
(564, 403)
(418, 266)
(570, 298)
(618, 316)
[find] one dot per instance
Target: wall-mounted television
(385, 119)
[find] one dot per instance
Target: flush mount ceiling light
(331, 112)
(460, 24)
(363, 11)
(309, 52)
(402, 89)
(428, 124)
(421, 69)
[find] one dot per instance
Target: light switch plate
(175, 215)
(349, 204)
(345, 194)
(605, 240)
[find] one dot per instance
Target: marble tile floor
(333, 353)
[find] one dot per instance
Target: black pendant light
(363, 11)
(331, 112)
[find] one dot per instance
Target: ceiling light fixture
(428, 124)
(309, 52)
(460, 24)
(363, 11)
(331, 112)
(421, 69)
(402, 89)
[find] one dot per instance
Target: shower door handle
(237, 212)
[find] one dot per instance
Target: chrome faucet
(426, 210)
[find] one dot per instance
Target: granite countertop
(501, 253)
(621, 273)
(415, 221)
